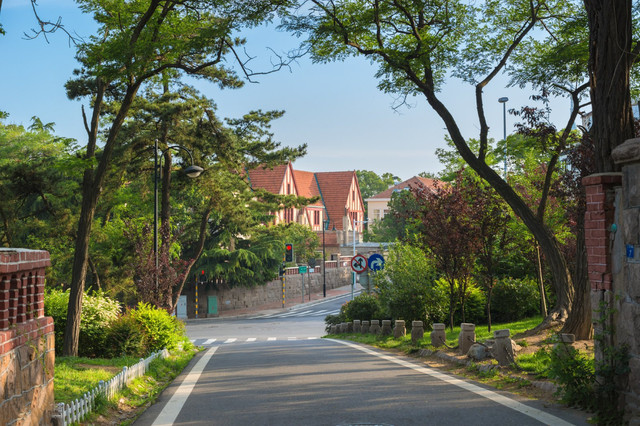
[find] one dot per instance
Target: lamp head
(503, 99)
(193, 171)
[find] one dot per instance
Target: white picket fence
(76, 411)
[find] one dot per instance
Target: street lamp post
(192, 171)
(325, 224)
(503, 101)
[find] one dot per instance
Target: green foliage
(575, 375)
(98, 314)
(363, 307)
(537, 363)
(514, 299)
(407, 288)
(161, 329)
(333, 319)
(126, 337)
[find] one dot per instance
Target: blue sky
(335, 108)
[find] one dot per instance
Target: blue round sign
(376, 262)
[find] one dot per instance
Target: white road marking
(233, 339)
(539, 415)
(209, 341)
(292, 338)
(271, 339)
(170, 411)
(251, 339)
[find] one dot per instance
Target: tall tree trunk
(550, 247)
(610, 59)
(91, 188)
(579, 322)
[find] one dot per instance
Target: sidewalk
(276, 307)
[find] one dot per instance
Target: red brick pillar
(600, 191)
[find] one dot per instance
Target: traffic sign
(302, 269)
(376, 262)
(359, 263)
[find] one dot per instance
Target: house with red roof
(339, 206)
(378, 205)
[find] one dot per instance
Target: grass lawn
(74, 376)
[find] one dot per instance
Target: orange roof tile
(268, 179)
(306, 185)
(334, 188)
(413, 182)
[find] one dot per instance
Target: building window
(288, 188)
(376, 214)
(316, 217)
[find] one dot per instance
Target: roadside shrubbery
(407, 286)
(104, 330)
(513, 299)
(98, 313)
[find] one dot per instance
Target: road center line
(539, 415)
(171, 410)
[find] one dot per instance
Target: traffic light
(288, 252)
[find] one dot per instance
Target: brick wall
(600, 191)
(27, 353)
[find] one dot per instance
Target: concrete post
(438, 335)
(417, 331)
(375, 327)
(502, 349)
(357, 326)
(386, 328)
(467, 336)
(399, 330)
(365, 327)
(350, 327)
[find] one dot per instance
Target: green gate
(212, 305)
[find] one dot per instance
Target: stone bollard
(374, 328)
(399, 330)
(386, 328)
(467, 337)
(334, 329)
(561, 349)
(417, 331)
(365, 327)
(438, 336)
(357, 327)
(350, 327)
(502, 349)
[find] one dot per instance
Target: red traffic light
(288, 252)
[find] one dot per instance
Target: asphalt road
(261, 371)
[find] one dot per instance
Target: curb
(276, 310)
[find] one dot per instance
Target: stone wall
(612, 225)
(270, 293)
(27, 353)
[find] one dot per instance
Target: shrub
(364, 307)
(98, 312)
(161, 329)
(407, 288)
(126, 337)
(513, 299)
(331, 319)
(575, 375)
(475, 305)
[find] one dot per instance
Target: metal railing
(76, 411)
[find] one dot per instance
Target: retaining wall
(27, 347)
